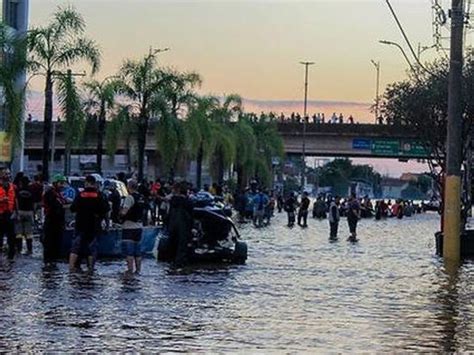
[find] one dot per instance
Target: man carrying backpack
(132, 213)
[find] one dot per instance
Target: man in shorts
(91, 209)
(24, 215)
(131, 214)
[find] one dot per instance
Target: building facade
(15, 14)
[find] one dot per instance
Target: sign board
(387, 147)
(413, 148)
(5, 148)
(361, 144)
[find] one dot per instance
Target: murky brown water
(297, 293)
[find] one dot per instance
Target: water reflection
(297, 293)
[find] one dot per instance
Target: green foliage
(72, 110)
(340, 172)
(421, 102)
(62, 43)
(170, 140)
(13, 48)
(120, 126)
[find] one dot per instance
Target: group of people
(318, 118)
(25, 205)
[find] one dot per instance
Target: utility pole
(377, 89)
(452, 190)
(305, 116)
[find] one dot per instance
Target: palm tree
(74, 117)
(101, 100)
(223, 151)
(199, 131)
(246, 141)
(54, 47)
(140, 82)
(121, 125)
(269, 145)
(13, 63)
(171, 103)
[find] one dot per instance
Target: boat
(110, 242)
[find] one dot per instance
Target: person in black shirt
(290, 208)
(91, 208)
(180, 223)
(54, 220)
(303, 211)
(24, 215)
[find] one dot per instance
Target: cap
(59, 178)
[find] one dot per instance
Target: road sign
(361, 144)
(413, 148)
(387, 147)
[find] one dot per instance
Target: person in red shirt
(7, 207)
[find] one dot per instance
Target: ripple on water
(298, 292)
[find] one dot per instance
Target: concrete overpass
(340, 140)
(352, 140)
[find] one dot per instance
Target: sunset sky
(253, 47)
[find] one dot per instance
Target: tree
(421, 102)
(269, 146)
(223, 150)
(101, 100)
(121, 125)
(74, 117)
(54, 47)
(13, 63)
(174, 99)
(140, 81)
(246, 152)
(199, 132)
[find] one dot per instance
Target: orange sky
(253, 47)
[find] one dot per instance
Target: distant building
(361, 189)
(14, 13)
(410, 177)
(392, 188)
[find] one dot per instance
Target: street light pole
(390, 43)
(452, 190)
(305, 114)
(377, 89)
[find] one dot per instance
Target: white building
(15, 14)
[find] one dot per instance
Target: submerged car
(214, 239)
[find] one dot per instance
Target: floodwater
(297, 293)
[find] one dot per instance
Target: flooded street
(297, 292)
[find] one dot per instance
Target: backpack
(135, 213)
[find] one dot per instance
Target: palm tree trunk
(199, 159)
(220, 168)
(100, 139)
(48, 118)
(67, 160)
(240, 176)
(142, 132)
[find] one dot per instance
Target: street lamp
(305, 114)
(377, 89)
(390, 43)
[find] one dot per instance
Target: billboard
(5, 148)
